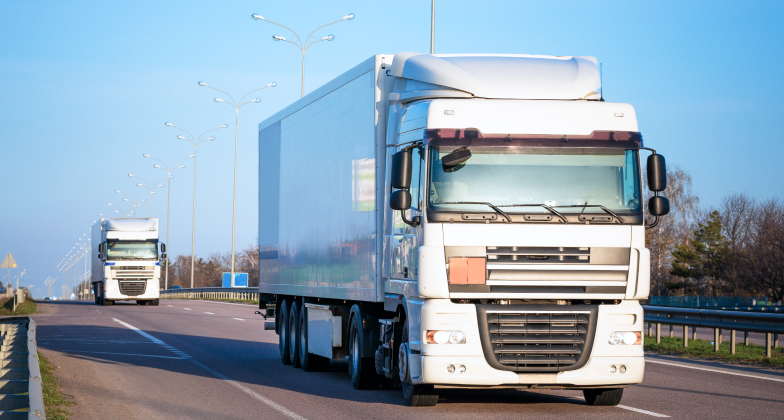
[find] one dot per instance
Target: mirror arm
(654, 224)
(414, 222)
(648, 148)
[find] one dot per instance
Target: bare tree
(765, 252)
(673, 229)
(738, 212)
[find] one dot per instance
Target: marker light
(445, 337)
(612, 369)
(628, 338)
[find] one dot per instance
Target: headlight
(628, 338)
(445, 337)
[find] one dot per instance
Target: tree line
(208, 272)
(733, 249)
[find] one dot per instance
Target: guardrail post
(775, 340)
(693, 333)
(767, 344)
(685, 336)
(745, 338)
(732, 342)
(721, 336)
(670, 330)
(716, 339)
(658, 333)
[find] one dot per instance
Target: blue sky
(87, 86)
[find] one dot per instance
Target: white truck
(459, 220)
(125, 263)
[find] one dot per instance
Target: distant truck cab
(126, 261)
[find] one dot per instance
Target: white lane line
(641, 411)
(748, 375)
(636, 410)
(187, 309)
(226, 303)
(209, 313)
(239, 319)
(153, 339)
(122, 354)
(171, 306)
(255, 395)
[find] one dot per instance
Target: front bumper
(442, 314)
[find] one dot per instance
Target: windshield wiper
(545, 206)
(606, 210)
(491, 205)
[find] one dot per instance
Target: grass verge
(54, 402)
(7, 307)
(753, 354)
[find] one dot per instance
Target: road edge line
(648, 360)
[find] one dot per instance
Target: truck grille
(133, 288)
(133, 272)
(537, 338)
(537, 255)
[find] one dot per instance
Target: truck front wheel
(603, 396)
(423, 395)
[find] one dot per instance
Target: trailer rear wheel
(599, 397)
(283, 332)
(310, 362)
(414, 395)
(294, 334)
(362, 369)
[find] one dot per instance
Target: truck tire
(362, 369)
(155, 302)
(283, 332)
(142, 302)
(106, 302)
(598, 397)
(414, 395)
(294, 334)
(310, 362)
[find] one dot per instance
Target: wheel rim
(292, 334)
(302, 338)
(284, 332)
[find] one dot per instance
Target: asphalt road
(209, 360)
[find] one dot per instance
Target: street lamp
(122, 211)
(195, 141)
(149, 187)
(168, 169)
(132, 201)
(236, 105)
(303, 46)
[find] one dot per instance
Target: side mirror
(163, 256)
(163, 248)
(100, 247)
(401, 171)
(658, 205)
(400, 200)
(100, 256)
(657, 173)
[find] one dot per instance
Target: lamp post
(236, 105)
(132, 201)
(169, 169)
(122, 211)
(303, 45)
(195, 141)
(149, 187)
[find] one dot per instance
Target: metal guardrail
(21, 384)
(232, 293)
(769, 324)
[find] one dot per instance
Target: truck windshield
(128, 250)
(551, 176)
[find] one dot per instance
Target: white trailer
(459, 221)
(125, 263)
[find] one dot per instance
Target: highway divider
(212, 293)
(21, 385)
(770, 324)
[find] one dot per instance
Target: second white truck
(126, 262)
(460, 220)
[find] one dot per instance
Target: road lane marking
(224, 303)
(209, 313)
(641, 411)
(187, 309)
(239, 319)
(122, 354)
(171, 306)
(748, 375)
(255, 395)
(153, 339)
(626, 407)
